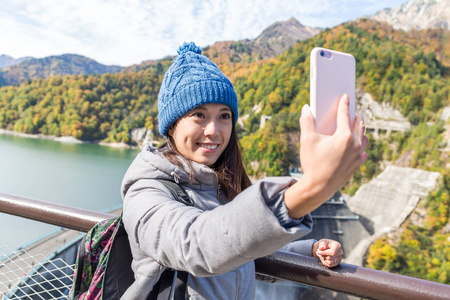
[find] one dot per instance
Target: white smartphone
(332, 73)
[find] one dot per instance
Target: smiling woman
(232, 221)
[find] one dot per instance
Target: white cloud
(129, 32)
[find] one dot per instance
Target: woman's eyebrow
(201, 107)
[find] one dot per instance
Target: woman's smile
(209, 146)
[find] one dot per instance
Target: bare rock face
(417, 14)
(386, 202)
(445, 115)
(372, 110)
(381, 116)
(138, 134)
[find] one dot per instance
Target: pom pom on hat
(189, 47)
(192, 80)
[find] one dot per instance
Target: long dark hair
(229, 167)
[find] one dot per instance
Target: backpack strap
(180, 285)
(173, 283)
(166, 285)
(177, 191)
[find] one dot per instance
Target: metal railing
(346, 278)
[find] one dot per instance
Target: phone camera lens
(322, 53)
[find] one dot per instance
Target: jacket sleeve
(207, 243)
(303, 247)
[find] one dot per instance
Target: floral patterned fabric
(92, 267)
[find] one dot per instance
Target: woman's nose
(211, 129)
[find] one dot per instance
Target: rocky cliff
(380, 116)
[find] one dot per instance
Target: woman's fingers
(327, 247)
(307, 120)
(359, 130)
(330, 261)
(359, 127)
(343, 115)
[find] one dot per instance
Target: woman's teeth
(210, 147)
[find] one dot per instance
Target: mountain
(66, 64)
(280, 36)
(417, 14)
(272, 42)
(6, 60)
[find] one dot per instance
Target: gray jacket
(215, 241)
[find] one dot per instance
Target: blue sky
(127, 32)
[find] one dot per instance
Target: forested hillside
(403, 69)
(26, 69)
(410, 70)
(90, 108)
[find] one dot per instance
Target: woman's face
(203, 133)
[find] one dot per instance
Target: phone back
(332, 74)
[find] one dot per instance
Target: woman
(233, 221)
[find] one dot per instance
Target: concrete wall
(386, 202)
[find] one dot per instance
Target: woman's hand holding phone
(328, 161)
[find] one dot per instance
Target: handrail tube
(50, 212)
(350, 279)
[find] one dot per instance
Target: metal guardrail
(350, 279)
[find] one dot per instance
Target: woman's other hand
(328, 251)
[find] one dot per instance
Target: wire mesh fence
(26, 276)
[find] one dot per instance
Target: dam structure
(386, 201)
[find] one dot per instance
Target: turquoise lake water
(81, 175)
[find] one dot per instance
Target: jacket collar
(204, 175)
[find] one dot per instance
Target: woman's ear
(170, 131)
(172, 128)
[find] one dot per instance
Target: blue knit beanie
(192, 80)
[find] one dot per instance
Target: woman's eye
(226, 116)
(198, 115)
